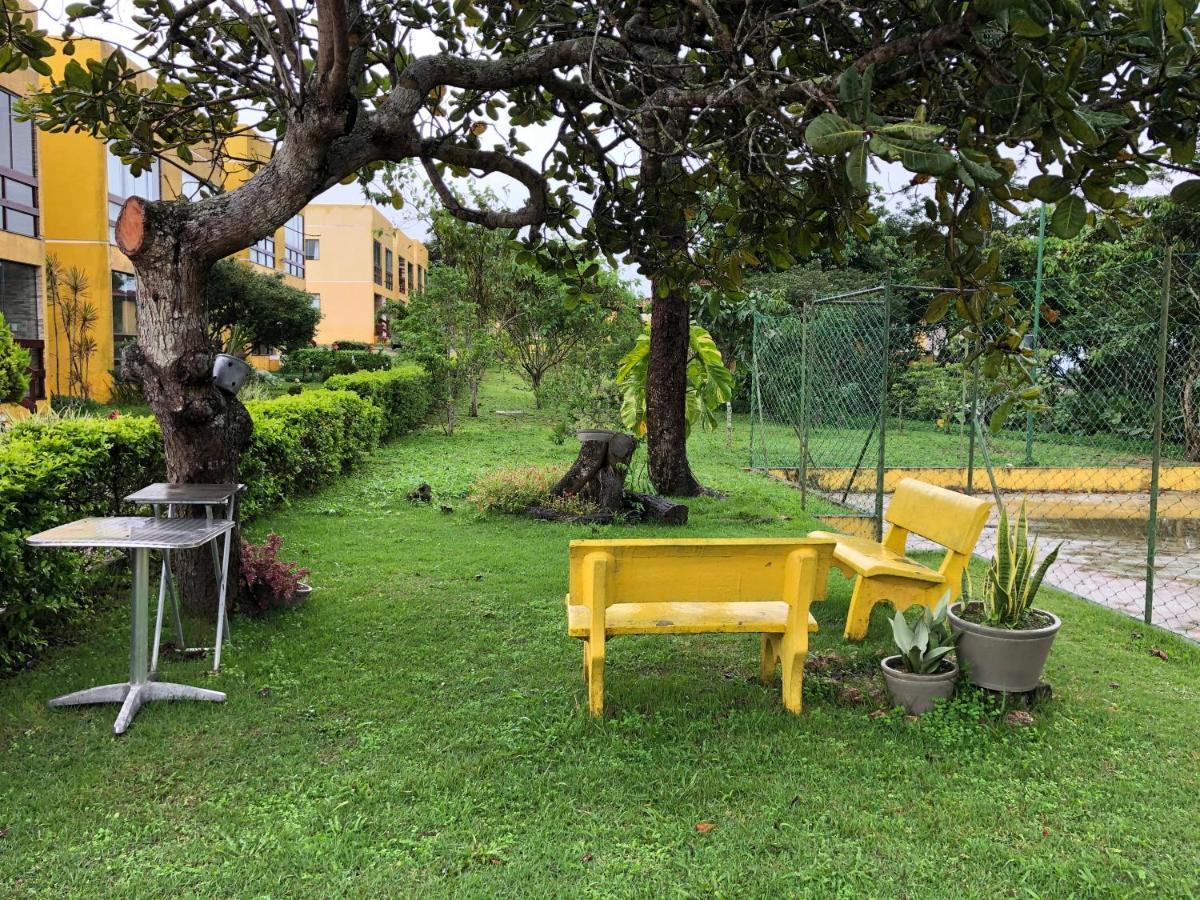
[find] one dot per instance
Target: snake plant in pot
(923, 671)
(1003, 640)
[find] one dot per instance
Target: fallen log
(659, 509)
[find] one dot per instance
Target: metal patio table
(139, 535)
(165, 494)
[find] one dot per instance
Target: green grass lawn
(419, 728)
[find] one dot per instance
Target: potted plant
(230, 368)
(1003, 640)
(268, 581)
(922, 672)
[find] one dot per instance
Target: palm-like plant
(709, 383)
(922, 647)
(1012, 581)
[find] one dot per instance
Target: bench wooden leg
(859, 615)
(793, 653)
(768, 659)
(593, 676)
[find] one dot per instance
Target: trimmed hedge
(404, 394)
(319, 363)
(53, 472)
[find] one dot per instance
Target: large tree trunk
(204, 431)
(666, 397)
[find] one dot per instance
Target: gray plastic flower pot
(1003, 659)
(593, 434)
(230, 373)
(917, 693)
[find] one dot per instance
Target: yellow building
(82, 190)
(357, 261)
(21, 252)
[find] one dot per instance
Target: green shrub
(14, 362)
(303, 441)
(319, 363)
(404, 394)
(51, 472)
(55, 470)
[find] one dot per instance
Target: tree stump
(598, 473)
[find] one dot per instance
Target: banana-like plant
(923, 647)
(1012, 581)
(709, 383)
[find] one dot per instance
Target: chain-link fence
(854, 392)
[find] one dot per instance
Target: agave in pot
(923, 671)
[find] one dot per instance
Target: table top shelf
(162, 492)
(133, 533)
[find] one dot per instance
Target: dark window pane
(18, 192)
(20, 223)
(124, 300)
(19, 299)
(312, 248)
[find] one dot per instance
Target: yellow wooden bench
(682, 586)
(885, 573)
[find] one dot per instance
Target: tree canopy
(268, 312)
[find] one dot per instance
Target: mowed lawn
(417, 730)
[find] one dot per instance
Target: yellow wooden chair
(884, 573)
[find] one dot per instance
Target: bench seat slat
(872, 560)
(768, 616)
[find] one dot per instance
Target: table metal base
(131, 697)
(141, 686)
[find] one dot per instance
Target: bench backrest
(948, 518)
(697, 570)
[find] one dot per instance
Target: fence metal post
(883, 407)
(756, 402)
(1164, 324)
(804, 406)
(1037, 318)
(971, 433)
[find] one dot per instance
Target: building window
(293, 246)
(403, 280)
(192, 187)
(312, 248)
(388, 268)
(377, 258)
(122, 184)
(316, 301)
(18, 172)
(19, 299)
(411, 281)
(263, 252)
(124, 304)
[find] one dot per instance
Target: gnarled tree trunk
(204, 431)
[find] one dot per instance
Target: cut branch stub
(131, 226)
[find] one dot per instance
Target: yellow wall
(344, 275)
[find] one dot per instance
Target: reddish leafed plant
(269, 582)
